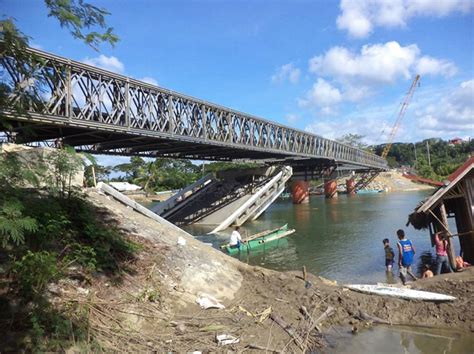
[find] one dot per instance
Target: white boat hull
(402, 293)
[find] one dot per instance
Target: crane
(403, 109)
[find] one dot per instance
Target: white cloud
(107, 63)
(449, 115)
(378, 63)
(444, 112)
(352, 76)
(430, 66)
(322, 94)
(374, 129)
(149, 80)
(287, 72)
(359, 17)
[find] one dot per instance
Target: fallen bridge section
(233, 197)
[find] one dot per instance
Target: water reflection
(382, 339)
(390, 278)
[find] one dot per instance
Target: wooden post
(93, 176)
(304, 273)
(444, 219)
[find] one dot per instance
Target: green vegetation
(46, 226)
(444, 158)
(78, 16)
(48, 230)
(431, 158)
(83, 20)
(161, 174)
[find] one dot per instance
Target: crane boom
(403, 109)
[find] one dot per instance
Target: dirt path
(153, 306)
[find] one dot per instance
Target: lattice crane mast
(403, 109)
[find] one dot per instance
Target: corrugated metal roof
(453, 179)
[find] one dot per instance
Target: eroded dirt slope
(153, 305)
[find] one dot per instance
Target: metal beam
(87, 98)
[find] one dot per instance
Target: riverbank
(152, 305)
(394, 181)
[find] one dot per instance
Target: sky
(328, 67)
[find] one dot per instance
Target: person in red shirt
(442, 246)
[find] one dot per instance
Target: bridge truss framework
(106, 113)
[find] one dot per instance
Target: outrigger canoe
(403, 293)
(262, 240)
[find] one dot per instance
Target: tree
(43, 233)
(101, 173)
(445, 158)
(355, 140)
(79, 16)
(83, 20)
(133, 169)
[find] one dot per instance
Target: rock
(181, 328)
(54, 289)
(82, 291)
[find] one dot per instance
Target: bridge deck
(103, 112)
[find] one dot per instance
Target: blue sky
(328, 67)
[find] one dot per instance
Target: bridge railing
(71, 92)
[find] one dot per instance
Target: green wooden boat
(260, 241)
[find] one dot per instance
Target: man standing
(441, 245)
(235, 238)
(406, 251)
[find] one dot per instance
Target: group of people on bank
(406, 253)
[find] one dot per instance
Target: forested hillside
(443, 157)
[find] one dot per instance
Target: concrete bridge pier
(330, 188)
(351, 186)
(300, 192)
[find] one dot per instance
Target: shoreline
(248, 292)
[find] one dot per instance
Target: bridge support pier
(350, 186)
(330, 188)
(300, 192)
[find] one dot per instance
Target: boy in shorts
(389, 255)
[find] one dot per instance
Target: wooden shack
(455, 199)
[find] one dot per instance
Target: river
(339, 238)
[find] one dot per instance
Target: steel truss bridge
(97, 111)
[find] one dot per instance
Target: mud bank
(393, 181)
(153, 305)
